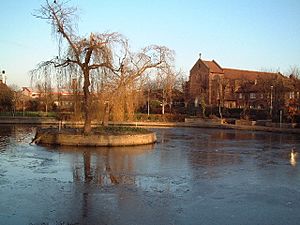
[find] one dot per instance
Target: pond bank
(196, 124)
(214, 125)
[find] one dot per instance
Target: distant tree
(6, 98)
(294, 71)
(15, 98)
(244, 87)
(46, 94)
(76, 95)
(166, 82)
(293, 107)
(33, 105)
(273, 89)
(123, 85)
(203, 105)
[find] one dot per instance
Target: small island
(109, 136)
(103, 73)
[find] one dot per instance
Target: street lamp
(271, 104)
(148, 102)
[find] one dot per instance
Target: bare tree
(294, 71)
(82, 56)
(124, 82)
(103, 61)
(16, 97)
(46, 93)
(166, 81)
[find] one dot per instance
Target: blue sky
(245, 34)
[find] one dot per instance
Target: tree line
(106, 77)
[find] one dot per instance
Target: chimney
(199, 64)
(2, 76)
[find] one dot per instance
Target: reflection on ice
(191, 176)
(293, 159)
(105, 166)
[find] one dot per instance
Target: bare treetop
(61, 17)
(106, 55)
(91, 52)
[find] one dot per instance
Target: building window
(292, 95)
(298, 94)
(261, 96)
(240, 95)
(252, 96)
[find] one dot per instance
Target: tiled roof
(248, 75)
(27, 88)
(213, 66)
(229, 73)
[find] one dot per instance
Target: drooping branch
(104, 58)
(130, 67)
(81, 54)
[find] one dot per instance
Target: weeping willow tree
(77, 56)
(101, 57)
(124, 85)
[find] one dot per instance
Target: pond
(190, 176)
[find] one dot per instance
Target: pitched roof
(238, 74)
(213, 66)
(27, 89)
(248, 75)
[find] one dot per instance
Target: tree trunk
(87, 167)
(105, 115)
(87, 103)
(163, 103)
(148, 103)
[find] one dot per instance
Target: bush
(160, 118)
(29, 114)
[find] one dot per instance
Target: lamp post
(148, 103)
(271, 104)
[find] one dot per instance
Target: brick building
(212, 85)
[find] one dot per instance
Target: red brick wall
(198, 80)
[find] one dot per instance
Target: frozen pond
(191, 176)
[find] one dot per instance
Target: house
(62, 99)
(213, 85)
(29, 92)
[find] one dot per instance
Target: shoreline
(54, 137)
(197, 124)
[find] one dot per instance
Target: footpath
(50, 121)
(213, 125)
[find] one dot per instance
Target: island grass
(120, 130)
(107, 130)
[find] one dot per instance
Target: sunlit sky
(244, 34)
